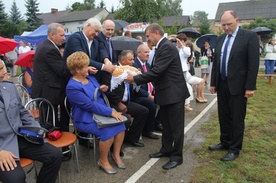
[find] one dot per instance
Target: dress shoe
(150, 135)
(199, 100)
(121, 166)
(66, 156)
(171, 164)
(122, 153)
(159, 155)
(111, 171)
(136, 144)
(159, 127)
(217, 147)
(230, 156)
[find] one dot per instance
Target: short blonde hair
(77, 60)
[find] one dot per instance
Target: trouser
(50, 156)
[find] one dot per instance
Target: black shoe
(150, 135)
(158, 155)
(217, 147)
(159, 127)
(171, 164)
(230, 156)
(122, 153)
(136, 144)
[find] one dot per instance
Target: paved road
(140, 168)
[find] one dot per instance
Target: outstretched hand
(129, 78)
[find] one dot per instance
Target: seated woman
(80, 92)
(28, 76)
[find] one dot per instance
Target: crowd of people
(165, 91)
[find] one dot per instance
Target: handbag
(33, 134)
(53, 132)
(204, 62)
(105, 121)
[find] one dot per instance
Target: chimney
(54, 10)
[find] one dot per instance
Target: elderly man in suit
(14, 146)
(145, 96)
(233, 77)
(85, 41)
(50, 72)
(170, 94)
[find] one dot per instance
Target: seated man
(145, 95)
(13, 145)
(121, 98)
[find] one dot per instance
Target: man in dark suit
(170, 94)
(145, 96)
(233, 77)
(50, 72)
(84, 41)
(121, 98)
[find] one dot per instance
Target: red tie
(150, 87)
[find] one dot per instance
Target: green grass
(257, 160)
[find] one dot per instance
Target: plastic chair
(89, 137)
(67, 139)
(23, 93)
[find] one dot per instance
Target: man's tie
(150, 86)
(128, 91)
(109, 48)
(223, 61)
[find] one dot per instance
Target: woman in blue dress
(80, 92)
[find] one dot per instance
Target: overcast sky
(209, 6)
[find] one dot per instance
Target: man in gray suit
(13, 146)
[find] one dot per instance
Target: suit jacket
(144, 87)
(50, 74)
(167, 75)
(104, 48)
(243, 62)
(13, 115)
(77, 42)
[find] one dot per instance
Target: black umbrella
(190, 32)
(125, 43)
(211, 38)
(120, 24)
(262, 30)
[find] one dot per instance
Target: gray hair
(155, 27)
(93, 22)
(52, 28)
(123, 54)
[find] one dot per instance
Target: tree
(75, 6)
(101, 4)
(15, 14)
(32, 14)
(147, 10)
(202, 18)
(3, 15)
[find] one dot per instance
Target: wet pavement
(140, 168)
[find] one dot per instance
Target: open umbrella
(125, 43)
(7, 45)
(24, 59)
(190, 32)
(211, 38)
(262, 30)
(120, 24)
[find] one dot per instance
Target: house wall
(72, 27)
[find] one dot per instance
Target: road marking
(137, 175)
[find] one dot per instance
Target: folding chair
(67, 139)
(89, 137)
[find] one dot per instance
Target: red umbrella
(7, 45)
(24, 59)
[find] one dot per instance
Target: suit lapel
(6, 96)
(85, 43)
(236, 43)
